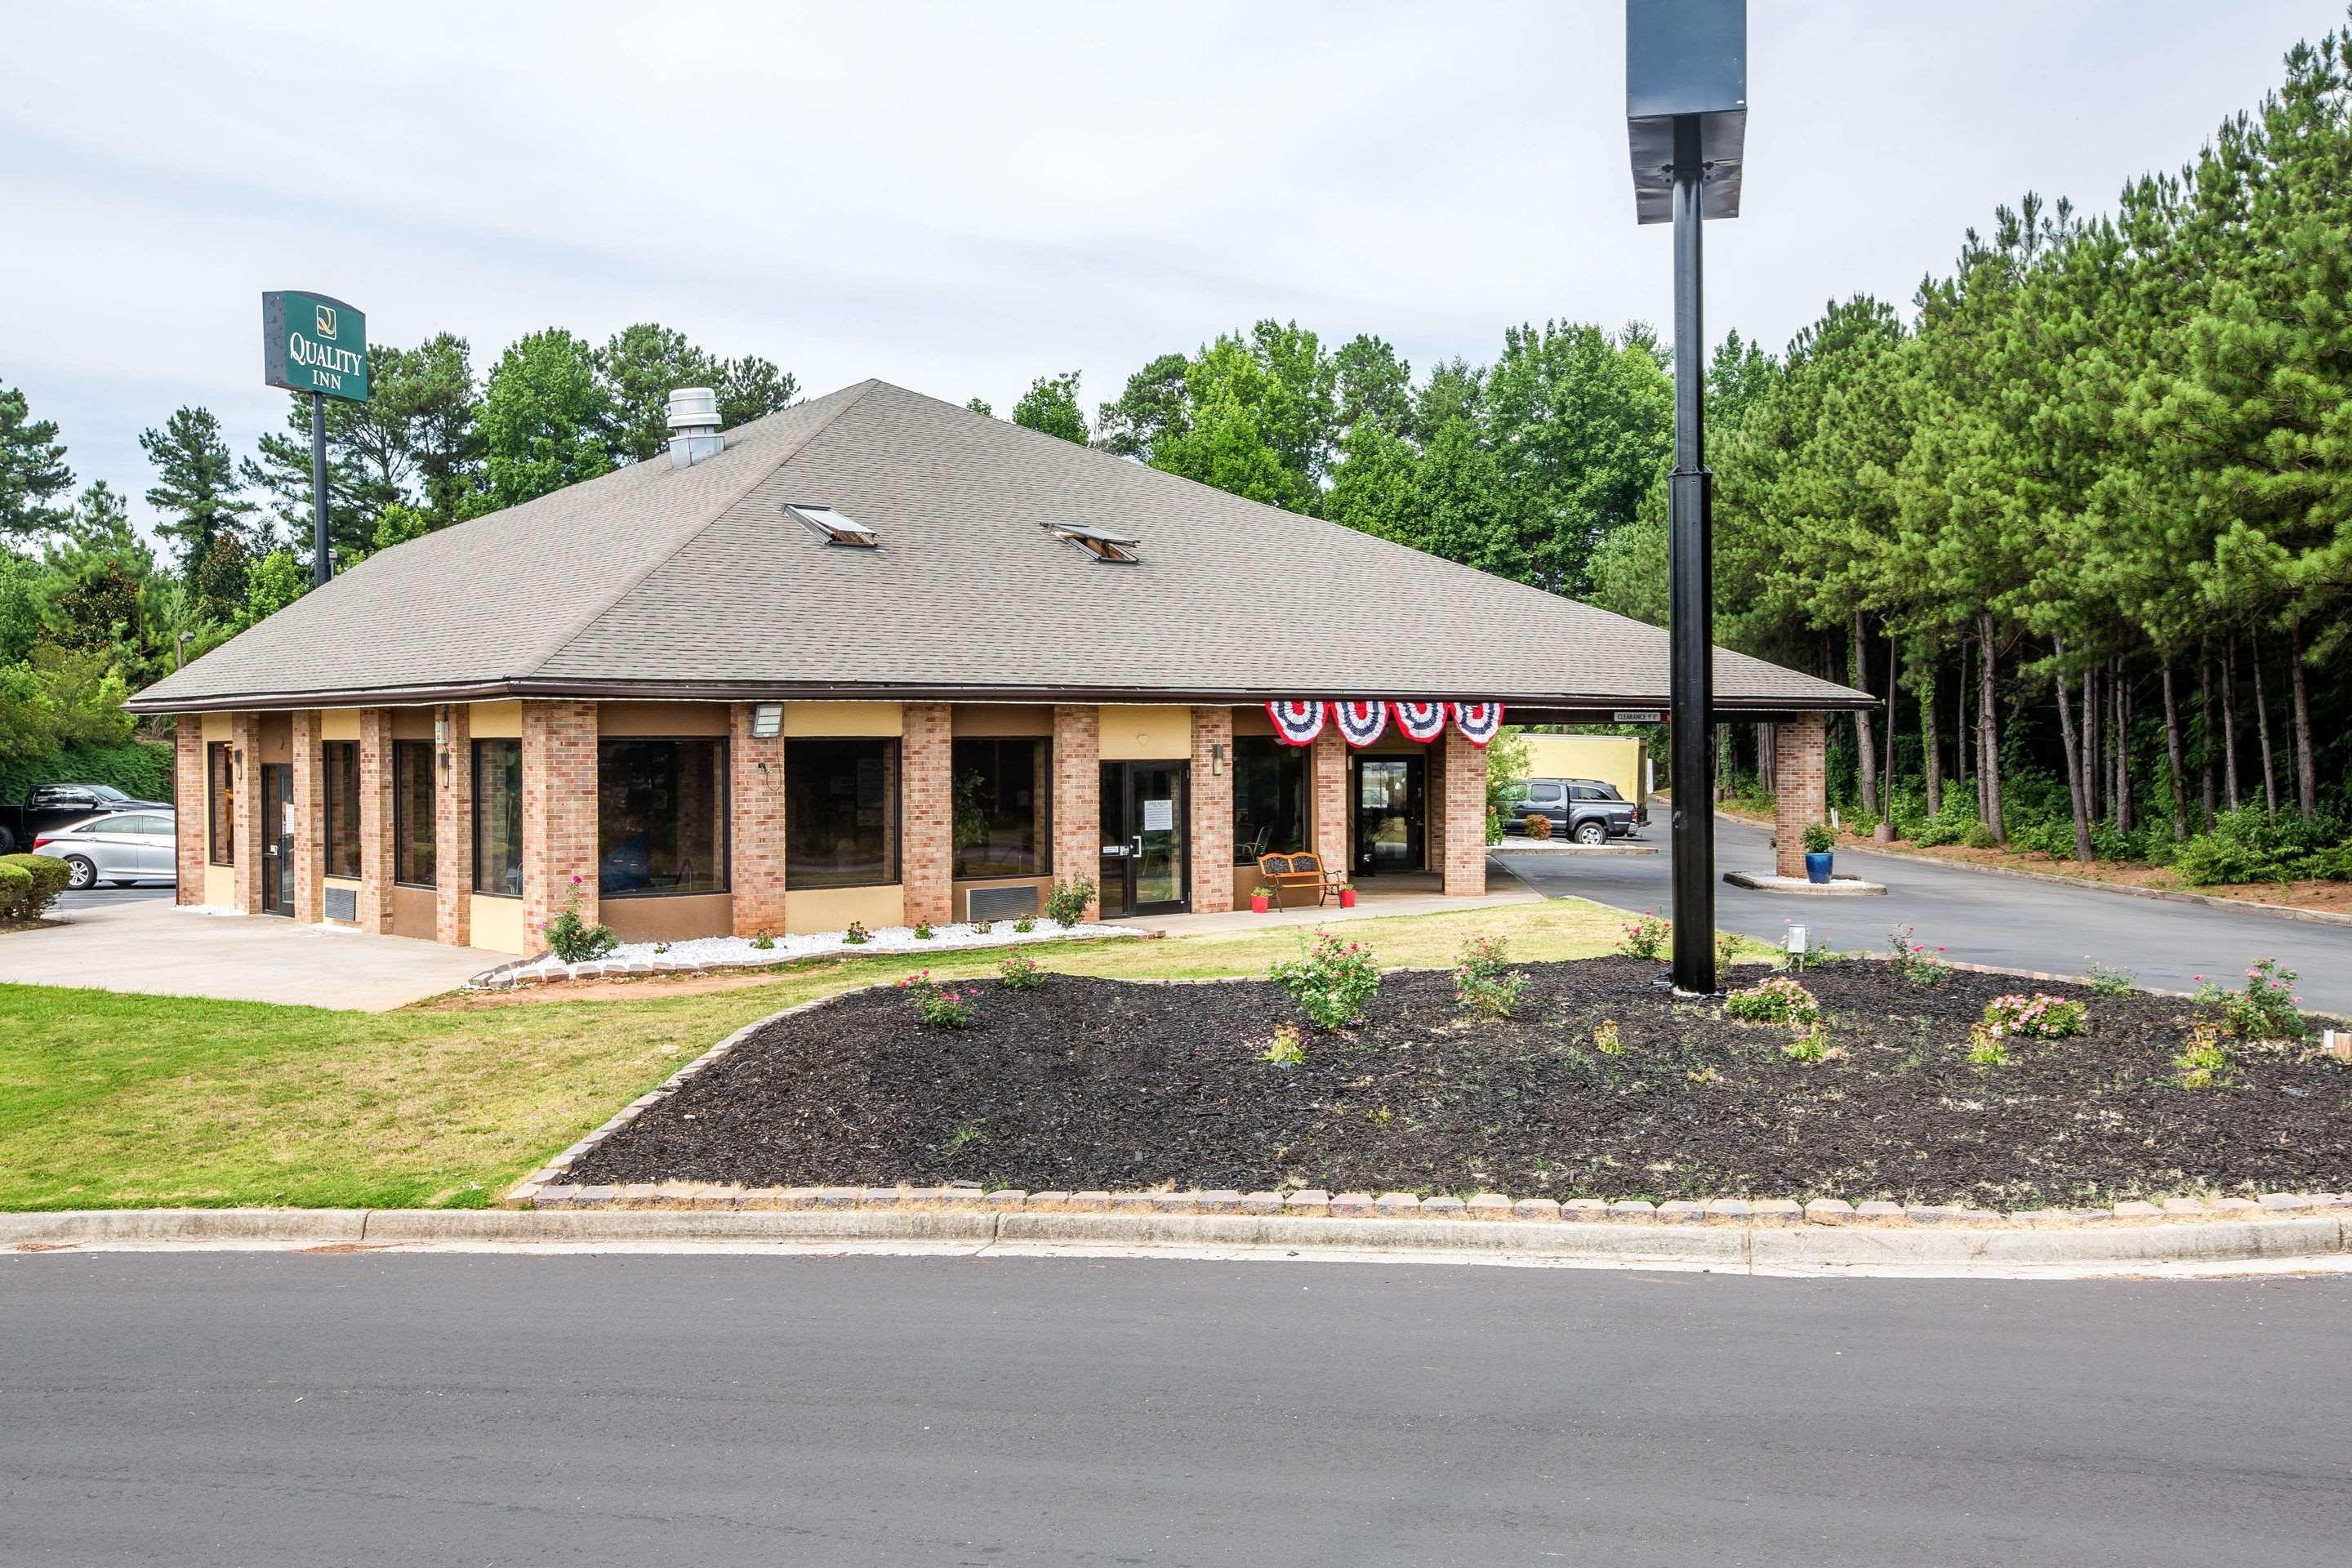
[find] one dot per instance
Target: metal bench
(1283, 872)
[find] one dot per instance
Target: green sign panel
(312, 343)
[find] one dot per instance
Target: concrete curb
(1741, 1248)
(2162, 895)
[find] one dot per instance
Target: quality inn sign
(312, 343)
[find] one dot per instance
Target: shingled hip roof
(665, 582)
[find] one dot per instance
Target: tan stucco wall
(815, 718)
(493, 721)
(1000, 719)
(812, 909)
(660, 719)
(497, 924)
(339, 723)
(676, 917)
(1138, 734)
(220, 885)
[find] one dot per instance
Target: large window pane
(1272, 785)
(1004, 796)
(498, 818)
(840, 813)
(661, 816)
(220, 768)
(342, 759)
(412, 812)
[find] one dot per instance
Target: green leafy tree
(274, 582)
(1050, 405)
(639, 367)
(546, 416)
(197, 488)
(751, 388)
(221, 578)
(33, 472)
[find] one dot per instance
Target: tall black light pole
(323, 566)
(1687, 119)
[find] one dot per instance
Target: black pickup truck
(56, 806)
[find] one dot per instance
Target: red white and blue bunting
(1477, 721)
(1296, 723)
(1422, 721)
(1361, 723)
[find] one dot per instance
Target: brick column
(755, 825)
(1464, 802)
(453, 825)
(1801, 769)
(559, 810)
(927, 813)
(190, 804)
(1212, 851)
(1330, 765)
(245, 736)
(375, 821)
(1077, 796)
(309, 817)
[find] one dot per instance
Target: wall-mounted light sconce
(1216, 758)
(767, 722)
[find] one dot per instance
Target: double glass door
(1392, 813)
(1144, 830)
(277, 839)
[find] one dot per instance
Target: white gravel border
(720, 953)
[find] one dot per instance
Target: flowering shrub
(1286, 1049)
(1988, 1047)
(857, 935)
(2107, 980)
(1536, 823)
(765, 942)
(1020, 974)
(981, 927)
(1646, 937)
(2266, 1009)
(2040, 1016)
(1483, 985)
(937, 1005)
(1605, 1040)
(571, 939)
(1066, 904)
(923, 931)
(1331, 981)
(1776, 999)
(1811, 1045)
(1024, 926)
(1917, 963)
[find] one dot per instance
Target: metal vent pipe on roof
(694, 426)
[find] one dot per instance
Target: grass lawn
(113, 1100)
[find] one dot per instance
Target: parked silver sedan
(120, 847)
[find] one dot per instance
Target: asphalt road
(281, 1409)
(2010, 922)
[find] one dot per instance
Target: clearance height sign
(312, 343)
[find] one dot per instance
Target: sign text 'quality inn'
(312, 343)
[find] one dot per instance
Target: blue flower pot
(1817, 864)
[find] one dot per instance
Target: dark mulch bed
(1087, 1083)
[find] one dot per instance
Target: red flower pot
(1347, 897)
(1259, 904)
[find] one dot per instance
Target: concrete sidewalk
(149, 945)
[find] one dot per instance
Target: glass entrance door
(1390, 815)
(277, 839)
(1145, 827)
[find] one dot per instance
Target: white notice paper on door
(1159, 817)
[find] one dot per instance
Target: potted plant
(1261, 899)
(1820, 843)
(1347, 896)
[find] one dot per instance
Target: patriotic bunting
(1422, 721)
(1361, 723)
(1477, 721)
(1296, 723)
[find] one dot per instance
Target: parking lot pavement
(116, 939)
(2011, 922)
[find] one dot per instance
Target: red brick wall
(453, 825)
(1330, 765)
(755, 795)
(245, 735)
(375, 821)
(926, 820)
(558, 809)
(192, 803)
(1800, 770)
(1212, 850)
(1078, 796)
(310, 815)
(1463, 801)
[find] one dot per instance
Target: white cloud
(962, 197)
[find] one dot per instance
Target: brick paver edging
(2059, 878)
(546, 1190)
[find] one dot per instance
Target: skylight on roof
(1097, 543)
(833, 527)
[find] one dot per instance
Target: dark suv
(1586, 810)
(54, 805)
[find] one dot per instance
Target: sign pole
(1690, 621)
(323, 566)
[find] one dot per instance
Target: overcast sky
(960, 199)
